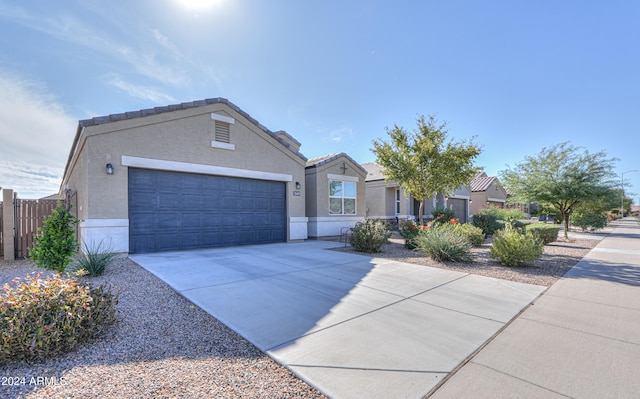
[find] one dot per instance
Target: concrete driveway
(350, 325)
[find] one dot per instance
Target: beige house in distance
(335, 194)
(387, 200)
(486, 191)
(192, 175)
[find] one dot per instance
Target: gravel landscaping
(165, 347)
(557, 259)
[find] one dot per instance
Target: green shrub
(369, 236)
(487, 222)
(442, 215)
(545, 232)
(56, 244)
(442, 244)
(410, 230)
(470, 232)
(503, 213)
(511, 214)
(589, 221)
(512, 248)
(94, 260)
(43, 317)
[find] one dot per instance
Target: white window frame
(397, 202)
(343, 197)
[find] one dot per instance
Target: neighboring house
(528, 208)
(191, 175)
(486, 191)
(387, 200)
(335, 194)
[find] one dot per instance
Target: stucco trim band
(331, 226)
(331, 176)
(174, 166)
(298, 228)
(222, 118)
(112, 234)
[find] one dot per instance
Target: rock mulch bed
(557, 259)
(163, 347)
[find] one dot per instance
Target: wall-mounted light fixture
(298, 185)
(109, 169)
(471, 201)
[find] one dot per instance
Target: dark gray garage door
(175, 211)
(459, 207)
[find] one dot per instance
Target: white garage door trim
(174, 166)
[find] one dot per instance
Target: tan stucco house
(387, 200)
(191, 175)
(486, 191)
(335, 194)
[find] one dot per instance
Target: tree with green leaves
(425, 163)
(56, 242)
(561, 177)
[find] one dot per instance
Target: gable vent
(222, 132)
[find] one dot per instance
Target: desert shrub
(442, 215)
(503, 213)
(470, 232)
(44, 317)
(55, 243)
(369, 235)
(511, 214)
(442, 244)
(589, 221)
(94, 259)
(512, 248)
(487, 222)
(410, 230)
(545, 232)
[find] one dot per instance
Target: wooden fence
(20, 221)
(30, 215)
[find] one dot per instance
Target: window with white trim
(342, 197)
(397, 202)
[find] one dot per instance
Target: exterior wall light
(298, 185)
(109, 169)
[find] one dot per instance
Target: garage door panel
(192, 201)
(276, 204)
(172, 211)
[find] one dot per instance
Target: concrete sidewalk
(581, 339)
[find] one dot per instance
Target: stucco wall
(184, 139)
(183, 136)
(77, 180)
(321, 223)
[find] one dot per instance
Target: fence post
(8, 224)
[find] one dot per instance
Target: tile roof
(315, 162)
(374, 171)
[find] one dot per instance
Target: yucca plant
(94, 259)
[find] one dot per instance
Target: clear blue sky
(517, 75)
